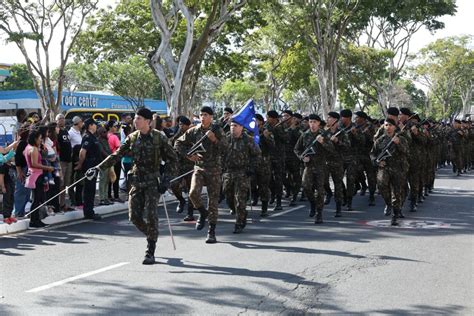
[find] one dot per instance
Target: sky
(460, 24)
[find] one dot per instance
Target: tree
(42, 23)
(178, 66)
(445, 67)
(19, 79)
(390, 28)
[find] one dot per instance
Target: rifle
(310, 149)
(198, 147)
(387, 151)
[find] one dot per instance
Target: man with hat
(207, 168)
(455, 140)
(263, 174)
(75, 138)
(292, 179)
(277, 157)
(349, 155)
(225, 120)
(390, 166)
(312, 148)
(89, 157)
(335, 162)
(239, 164)
(184, 166)
(363, 157)
(148, 147)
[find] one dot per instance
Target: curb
(22, 225)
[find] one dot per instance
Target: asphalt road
(283, 264)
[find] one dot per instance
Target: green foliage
(19, 79)
(235, 92)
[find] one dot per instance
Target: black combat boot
(413, 206)
(293, 200)
(388, 210)
(327, 199)
(312, 209)
(394, 218)
(189, 217)
(244, 221)
(400, 214)
(338, 209)
(181, 205)
(302, 198)
(201, 222)
(371, 200)
(278, 204)
(272, 199)
(211, 234)
(264, 212)
(150, 252)
(319, 216)
(254, 198)
(349, 204)
(237, 229)
(363, 190)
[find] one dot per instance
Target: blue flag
(246, 118)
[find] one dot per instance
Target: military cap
(145, 113)
(88, 122)
(362, 114)
(346, 113)
(390, 121)
(298, 116)
(289, 112)
(259, 117)
(334, 115)
(207, 109)
(406, 111)
(227, 109)
(314, 117)
(272, 114)
(393, 111)
(184, 120)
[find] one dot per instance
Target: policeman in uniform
(207, 169)
(89, 156)
(148, 148)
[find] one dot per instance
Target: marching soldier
(264, 165)
(239, 164)
(312, 148)
(335, 163)
(277, 157)
(367, 135)
(148, 147)
(455, 139)
(292, 163)
(185, 165)
(207, 168)
(390, 166)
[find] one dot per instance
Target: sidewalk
(22, 225)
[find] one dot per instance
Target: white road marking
(283, 213)
(77, 277)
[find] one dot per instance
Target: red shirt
(114, 142)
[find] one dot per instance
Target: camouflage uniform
(239, 163)
(388, 177)
(363, 158)
(147, 152)
(277, 162)
(335, 167)
(456, 139)
(351, 164)
(207, 171)
(263, 171)
(315, 169)
(415, 161)
(184, 165)
(292, 164)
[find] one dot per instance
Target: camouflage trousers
(293, 176)
(350, 169)
(336, 171)
(313, 185)
(457, 159)
(178, 186)
(365, 164)
(414, 180)
(143, 210)
(236, 188)
(388, 181)
(211, 178)
(261, 181)
(277, 173)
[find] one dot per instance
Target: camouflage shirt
(241, 154)
(318, 159)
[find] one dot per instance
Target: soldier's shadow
(202, 268)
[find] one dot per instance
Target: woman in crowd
(35, 179)
(114, 144)
(22, 193)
